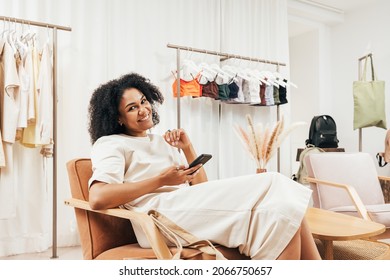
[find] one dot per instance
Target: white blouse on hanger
(23, 95)
(44, 122)
(9, 115)
(2, 156)
(40, 129)
(11, 90)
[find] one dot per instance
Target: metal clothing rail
(223, 56)
(54, 27)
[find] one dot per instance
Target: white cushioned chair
(348, 183)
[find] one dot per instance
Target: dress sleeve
(108, 162)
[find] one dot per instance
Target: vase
(261, 170)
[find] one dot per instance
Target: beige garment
(44, 122)
(30, 66)
(22, 98)
(2, 156)
(258, 213)
(7, 183)
(29, 133)
(11, 90)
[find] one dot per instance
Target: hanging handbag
(369, 100)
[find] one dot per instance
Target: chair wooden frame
(351, 192)
(355, 198)
(152, 233)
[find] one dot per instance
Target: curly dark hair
(104, 103)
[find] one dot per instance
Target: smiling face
(135, 113)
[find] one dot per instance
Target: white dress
(257, 213)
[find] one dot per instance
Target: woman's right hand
(177, 175)
(177, 138)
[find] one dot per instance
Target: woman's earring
(120, 123)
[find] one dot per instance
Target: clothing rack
(54, 28)
(359, 77)
(223, 56)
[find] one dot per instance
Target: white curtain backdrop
(257, 29)
(113, 37)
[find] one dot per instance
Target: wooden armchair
(108, 234)
(348, 183)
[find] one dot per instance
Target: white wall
(364, 30)
(324, 63)
(304, 58)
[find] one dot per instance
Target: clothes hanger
(263, 78)
(29, 36)
(47, 34)
(270, 77)
(208, 71)
(207, 74)
(21, 47)
(205, 66)
(4, 34)
(230, 71)
(203, 76)
(278, 77)
(291, 84)
(189, 69)
(240, 71)
(4, 30)
(222, 77)
(11, 37)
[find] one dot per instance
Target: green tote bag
(369, 100)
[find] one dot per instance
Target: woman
(261, 214)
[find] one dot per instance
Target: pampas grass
(262, 142)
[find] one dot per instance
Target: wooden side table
(329, 226)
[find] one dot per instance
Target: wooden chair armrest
(152, 233)
(384, 178)
(351, 192)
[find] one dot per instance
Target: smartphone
(203, 158)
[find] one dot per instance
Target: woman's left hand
(177, 138)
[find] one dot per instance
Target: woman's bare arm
(103, 195)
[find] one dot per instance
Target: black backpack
(323, 132)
